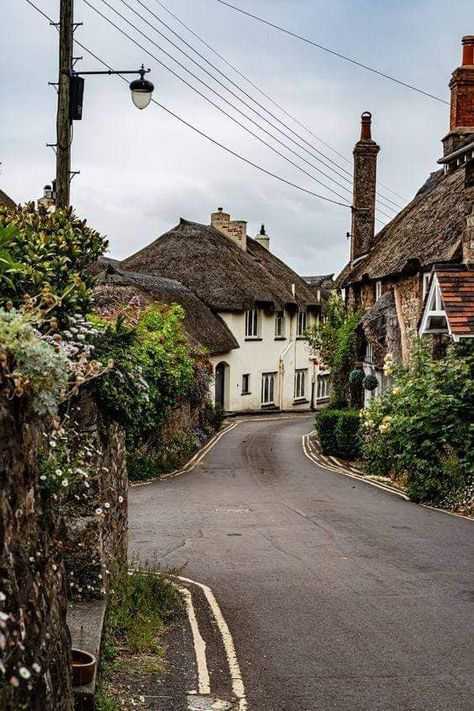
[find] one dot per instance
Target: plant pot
(83, 667)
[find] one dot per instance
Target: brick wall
(236, 230)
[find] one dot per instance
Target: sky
(140, 171)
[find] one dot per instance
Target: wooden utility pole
(64, 124)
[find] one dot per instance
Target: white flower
(107, 505)
(58, 472)
(43, 477)
(98, 511)
(3, 597)
(36, 667)
(53, 443)
(24, 672)
(4, 616)
(31, 559)
(65, 482)
(120, 499)
(55, 567)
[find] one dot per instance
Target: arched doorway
(221, 384)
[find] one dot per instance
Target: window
(435, 315)
(246, 384)
(426, 283)
(300, 384)
(369, 353)
(301, 326)
(268, 388)
(378, 290)
(252, 323)
(323, 387)
(280, 324)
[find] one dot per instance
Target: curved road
(340, 596)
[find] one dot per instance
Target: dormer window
(252, 323)
(378, 290)
(280, 324)
(301, 324)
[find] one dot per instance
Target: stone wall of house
(96, 540)
(35, 659)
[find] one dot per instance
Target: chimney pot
(468, 50)
(366, 126)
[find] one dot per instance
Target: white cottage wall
(266, 354)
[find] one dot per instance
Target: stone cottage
(390, 273)
(254, 310)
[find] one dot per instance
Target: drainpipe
(281, 364)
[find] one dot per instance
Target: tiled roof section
(426, 231)
(457, 290)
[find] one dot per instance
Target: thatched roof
(381, 329)
(428, 230)
(224, 276)
(6, 201)
(322, 281)
(117, 286)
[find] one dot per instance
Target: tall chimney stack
(364, 190)
(461, 127)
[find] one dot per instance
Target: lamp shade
(142, 90)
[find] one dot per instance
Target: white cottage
(262, 305)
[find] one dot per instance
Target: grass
(143, 604)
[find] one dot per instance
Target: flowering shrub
(47, 247)
(422, 430)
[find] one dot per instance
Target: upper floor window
(301, 325)
(300, 383)
(280, 324)
(252, 323)
(378, 290)
(369, 353)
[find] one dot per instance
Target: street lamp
(142, 90)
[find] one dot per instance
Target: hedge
(338, 432)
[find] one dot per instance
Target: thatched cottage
(243, 304)
(425, 250)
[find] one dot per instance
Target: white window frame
(378, 290)
(252, 323)
(301, 323)
(434, 299)
(268, 388)
(323, 387)
(369, 353)
(280, 324)
(245, 391)
(426, 283)
(301, 376)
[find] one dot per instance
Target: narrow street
(339, 596)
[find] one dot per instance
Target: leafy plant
(370, 382)
(422, 430)
(338, 432)
(39, 247)
(334, 339)
(356, 376)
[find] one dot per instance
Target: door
(220, 385)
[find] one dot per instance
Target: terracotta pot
(83, 667)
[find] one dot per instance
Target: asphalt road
(340, 596)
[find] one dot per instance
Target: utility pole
(64, 124)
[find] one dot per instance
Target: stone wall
(32, 577)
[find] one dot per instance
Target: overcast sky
(142, 170)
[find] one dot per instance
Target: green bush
(356, 376)
(422, 430)
(338, 432)
(54, 248)
(370, 382)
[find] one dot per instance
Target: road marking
(204, 684)
(238, 688)
(316, 457)
(199, 456)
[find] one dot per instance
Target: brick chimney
(364, 190)
(236, 230)
(461, 126)
(263, 239)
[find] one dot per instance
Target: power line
(269, 98)
(210, 101)
(331, 51)
(201, 133)
(247, 95)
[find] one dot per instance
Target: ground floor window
(301, 377)
(246, 384)
(268, 388)
(323, 387)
